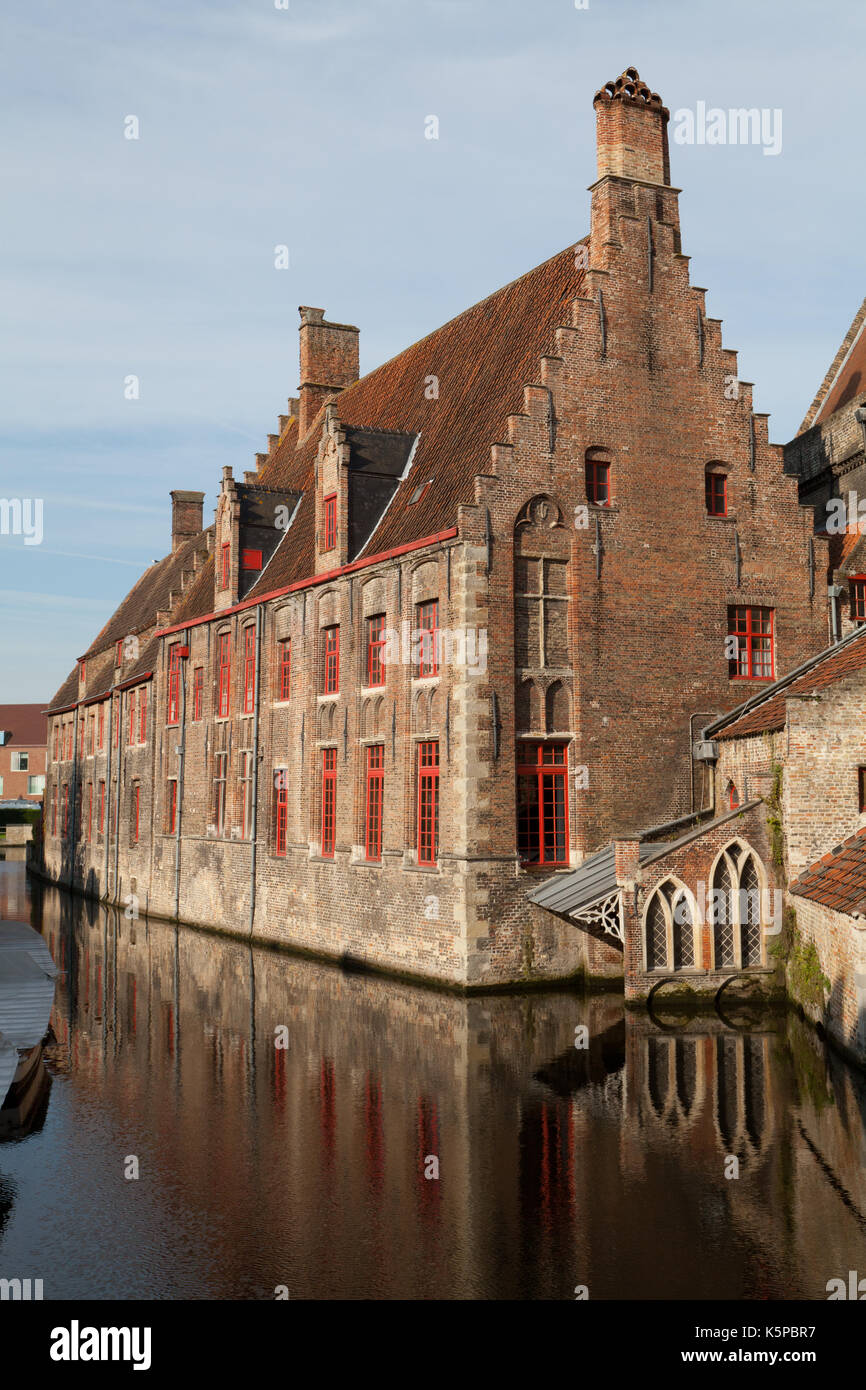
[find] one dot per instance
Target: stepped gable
(838, 879)
(768, 715)
(482, 359)
(846, 377)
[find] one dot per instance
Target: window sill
(753, 680)
(422, 869)
(720, 516)
(366, 864)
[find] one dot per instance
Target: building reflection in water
(309, 1165)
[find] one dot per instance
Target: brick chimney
(186, 514)
(329, 361)
(631, 131)
(626, 858)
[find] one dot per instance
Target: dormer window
(597, 478)
(226, 565)
(330, 522)
(716, 491)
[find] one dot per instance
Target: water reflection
(309, 1165)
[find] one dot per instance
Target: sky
(301, 123)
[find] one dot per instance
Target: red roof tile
(838, 879)
(482, 359)
(846, 377)
(837, 662)
(27, 724)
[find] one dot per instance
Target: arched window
(732, 796)
(735, 909)
(669, 929)
(716, 486)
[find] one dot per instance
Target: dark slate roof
(765, 711)
(838, 879)
(595, 879)
(483, 358)
(27, 724)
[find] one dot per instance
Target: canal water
(311, 1168)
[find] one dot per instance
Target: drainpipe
(255, 787)
(119, 778)
(181, 752)
(834, 593)
(74, 795)
(110, 806)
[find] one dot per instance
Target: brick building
(23, 753)
(462, 623)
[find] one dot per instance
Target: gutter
(309, 583)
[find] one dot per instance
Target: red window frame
(374, 801)
(251, 559)
(172, 708)
(281, 810)
(376, 650)
(131, 731)
(91, 723)
(81, 735)
(330, 660)
(753, 628)
(427, 837)
(136, 806)
(54, 811)
(857, 596)
(89, 812)
(861, 789)
(197, 693)
(83, 671)
(171, 799)
(224, 652)
(101, 809)
(542, 803)
(65, 810)
(330, 521)
(733, 797)
(329, 802)
(117, 722)
(427, 619)
(284, 668)
(249, 669)
(56, 740)
(597, 475)
(69, 738)
(100, 738)
(142, 714)
(717, 494)
(226, 565)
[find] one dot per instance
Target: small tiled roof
(765, 712)
(482, 359)
(846, 377)
(838, 879)
(27, 724)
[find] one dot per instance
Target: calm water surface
(305, 1166)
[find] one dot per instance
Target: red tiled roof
(846, 377)
(482, 360)
(837, 662)
(838, 880)
(27, 724)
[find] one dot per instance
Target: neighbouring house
(460, 628)
(23, 749)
